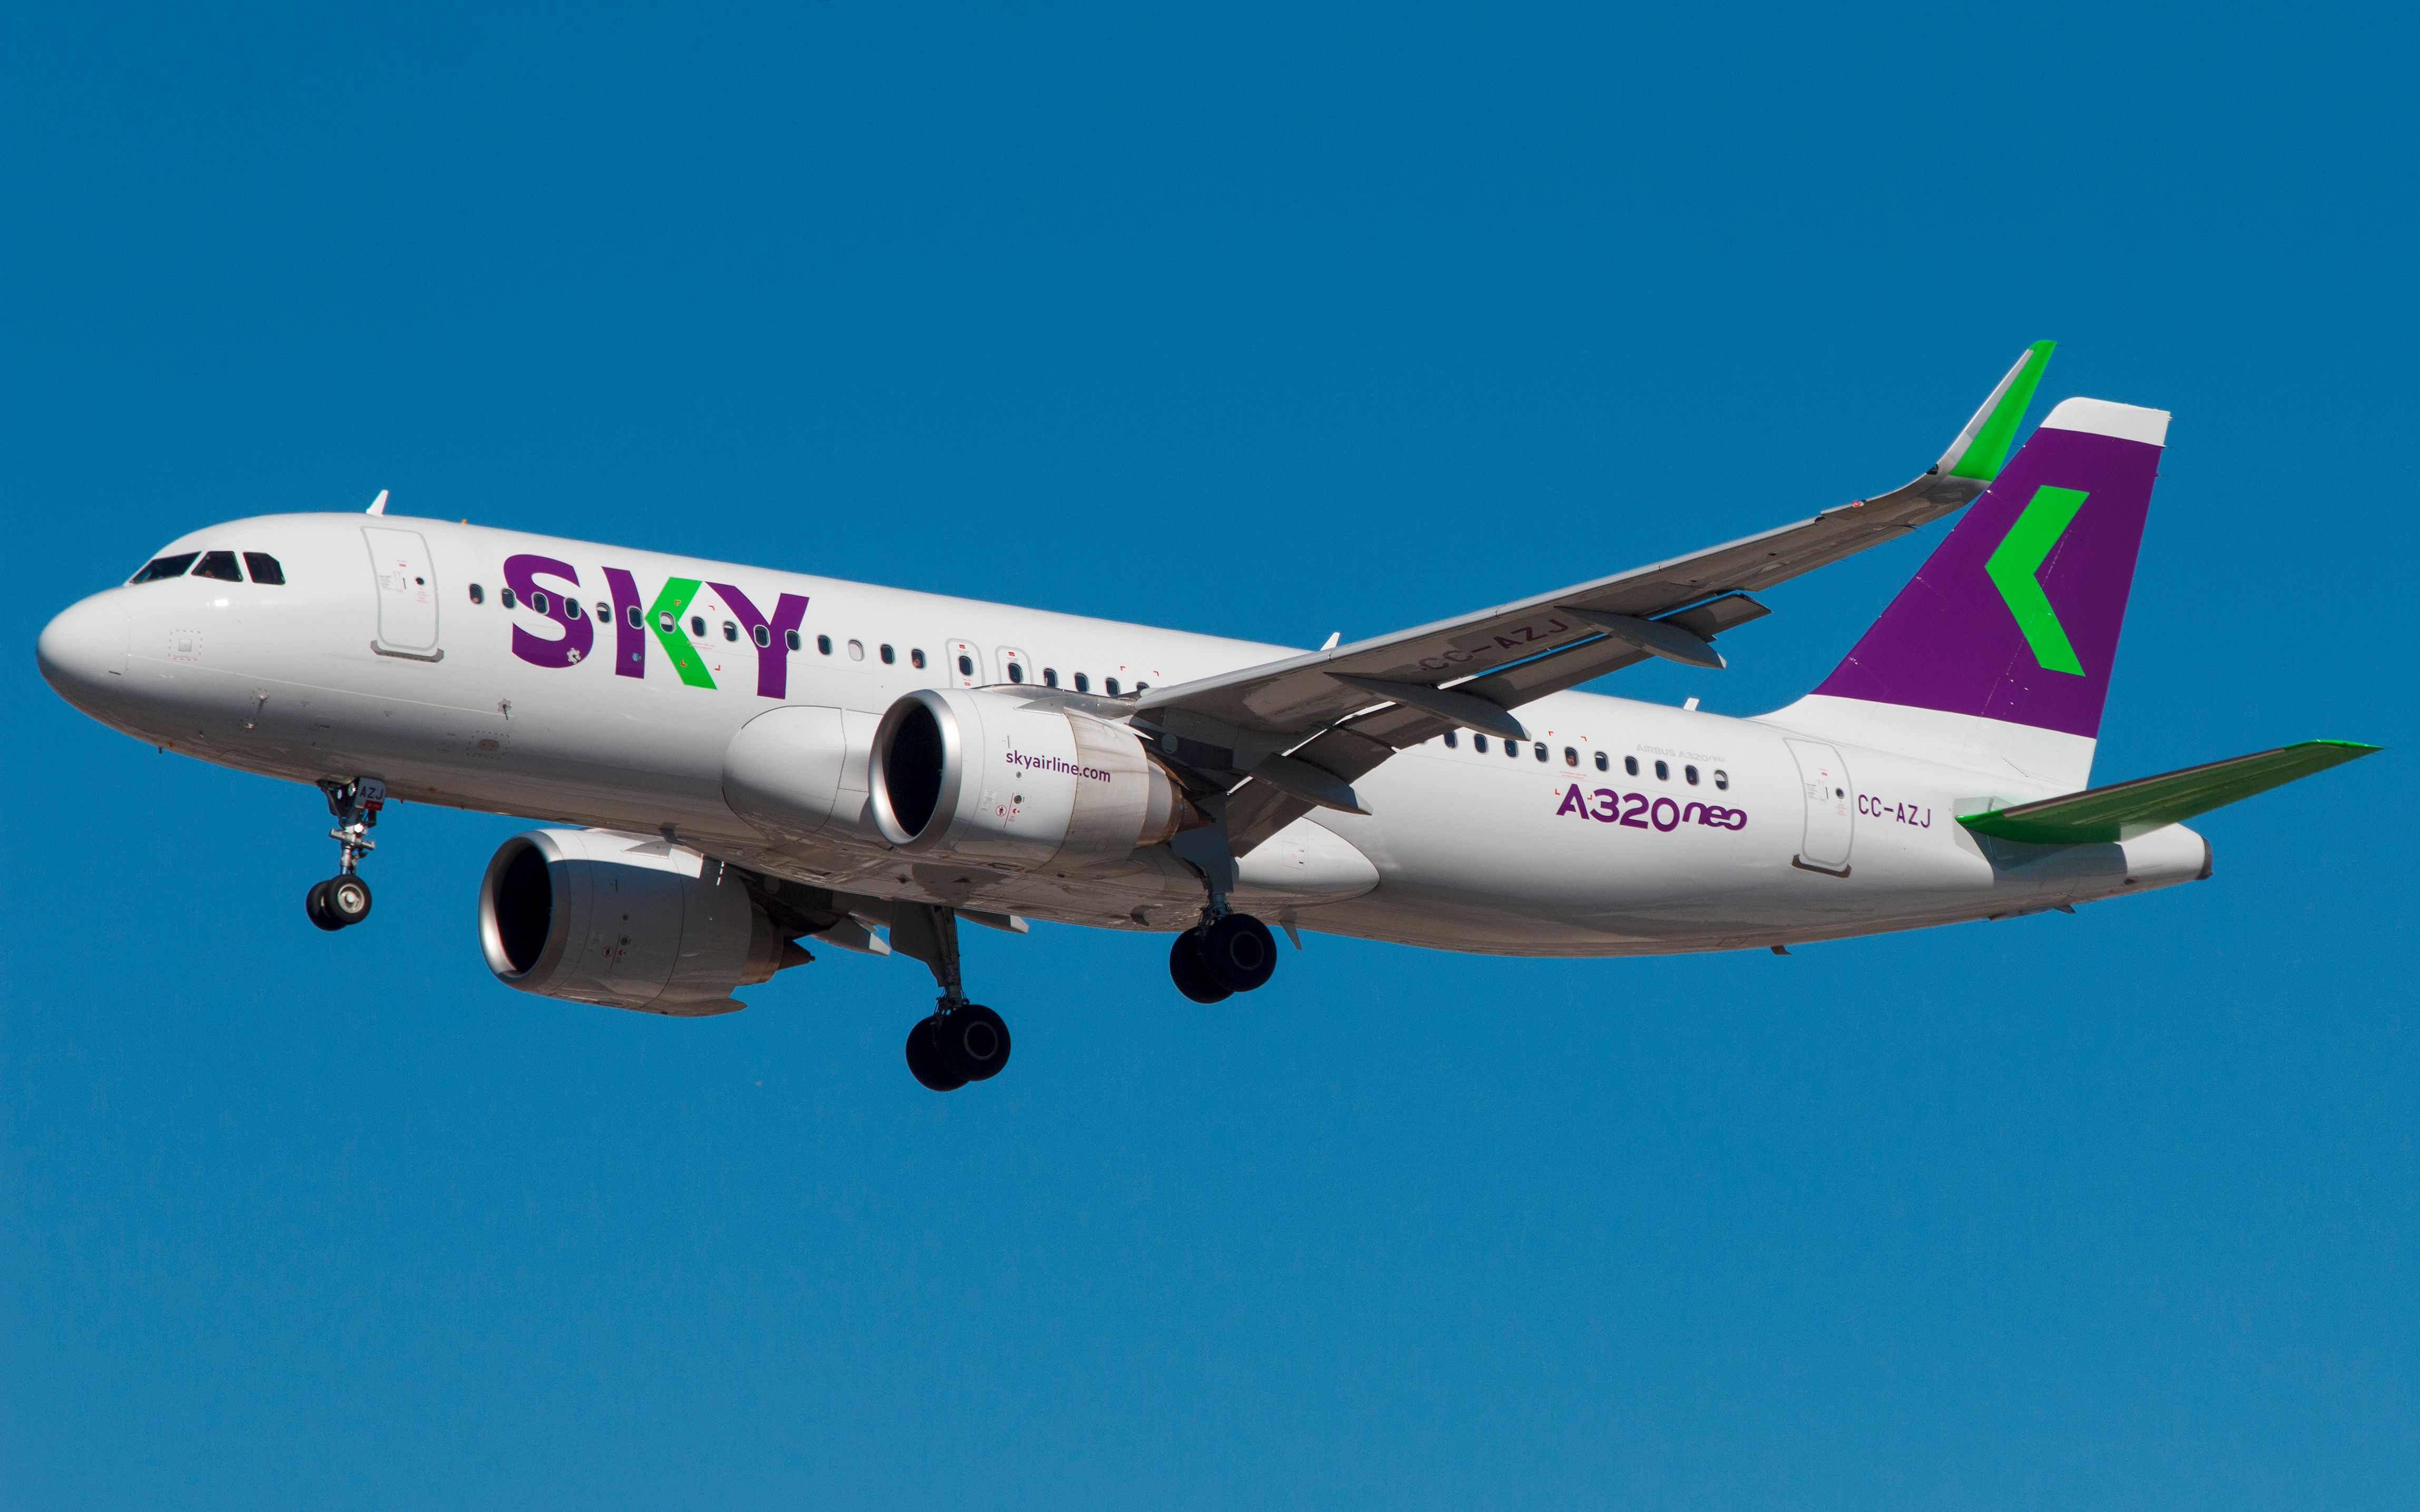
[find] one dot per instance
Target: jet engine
(625, 920)
(1017, 780)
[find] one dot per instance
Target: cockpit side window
(266, 570)
(162, 568)
(219, 566)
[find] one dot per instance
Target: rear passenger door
(407, 592)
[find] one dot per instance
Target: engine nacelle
(625, 920)
(798, 773)
(1015, 781)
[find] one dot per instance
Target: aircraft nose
(82, 652)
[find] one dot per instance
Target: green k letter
(664, 619)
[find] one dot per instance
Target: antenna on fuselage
(377, 505)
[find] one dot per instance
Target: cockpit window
(219, 566)
(266, 570)
(161, 568)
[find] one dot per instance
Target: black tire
(1238, 952)
(924, 1060)
(971, 1041)
(1186, 969)
(346, 899)
(315, 903)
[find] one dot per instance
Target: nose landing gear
(344, 900)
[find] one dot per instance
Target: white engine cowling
(798, 773)
(625, 920)
(1015, 781)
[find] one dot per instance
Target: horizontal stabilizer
(2125, 809)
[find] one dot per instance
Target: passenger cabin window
(264, 569)
(1691, 773)
(1110, 685)
(890, 657)
(1050, 677)
(1513, 749)
(571, 609)
(730, 631)
(219, 566)
(792, 637)
(857, 651)
(823, 643)
(1452, 739)
(637, 619)
(505, 596)
(697, 625)
(1571, 756)
(159, 570)
(1604, 763)
(1663, 772)
(604, 613)
(1479, 743)
(1083, 684)
(540, 603)
(1722, 779)
(1630, 764)
(916, 658)
(764, 634)
(1542, 750)
(478, 595)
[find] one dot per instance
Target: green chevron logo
(2016, 561)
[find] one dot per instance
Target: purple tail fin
(2015, 616)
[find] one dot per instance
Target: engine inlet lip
(558, 925)
(954, 766)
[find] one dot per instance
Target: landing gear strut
(962, 1041)
(1227, 952)
(344, 899)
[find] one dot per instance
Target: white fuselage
(1793, 828)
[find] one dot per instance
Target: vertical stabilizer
(2001, 647)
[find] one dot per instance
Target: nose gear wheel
(344, 900)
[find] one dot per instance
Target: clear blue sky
(1273, 322)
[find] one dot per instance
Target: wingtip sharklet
(1984, 444)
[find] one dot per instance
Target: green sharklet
(1983, 455)
(2016, 559)
(669, 607)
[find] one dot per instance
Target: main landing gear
(344, 900)
(1227, 952)
(962, 1041)
(1220, 957)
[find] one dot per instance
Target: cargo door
(406, 592)
(1831, 817)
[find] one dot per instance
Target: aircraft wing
(1291, 735)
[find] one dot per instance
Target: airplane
(732, 762)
